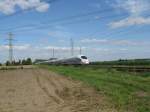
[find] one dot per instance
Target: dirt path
(38, 90)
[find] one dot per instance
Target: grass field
(127, 91)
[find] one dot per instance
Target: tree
(19, 62)
(28, 61)
(23, 62)
(8, 63)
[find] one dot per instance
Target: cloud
(135, 9)
(123, 49)
(95, 5)
(22, 47)
(56, 48)
(61, 48)
(93, 53)
(16, 47)
(40, 51)
(130, 21)
(38, 48)
(106, 50)
(9, 6)
(43, 7)
(60, 34)
(93, 40)
(114, 42)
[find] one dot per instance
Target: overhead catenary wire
(65, 18)
(83, 21)
(33, 27)
(106, 36)
(122, 31)
(45, 25)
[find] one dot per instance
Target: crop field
(40, 90)
(126, 91)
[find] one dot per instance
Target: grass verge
(126, 91)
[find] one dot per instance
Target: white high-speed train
(77, 60)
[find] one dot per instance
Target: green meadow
(127, 91)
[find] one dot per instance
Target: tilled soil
(38, 90)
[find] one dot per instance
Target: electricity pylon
(72, 46)
(10, 45)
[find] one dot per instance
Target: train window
(83, 57)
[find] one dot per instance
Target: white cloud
(95, 5)
(60, 34)
(114, 42)
(99, 49)
(97, 17)
(93, 40)
(22, 47)
(16, 47)
(130, 21)
(61, 48)
(93, 53)
(135, 9)
(56, 48)
(123, 49)
(125, 42)
(9, 6)
(4, 47)
(43, 7)
(38, 48)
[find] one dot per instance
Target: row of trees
(133, 62)
(27, 61)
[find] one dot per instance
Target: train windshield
(83, 57)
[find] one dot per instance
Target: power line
(65, 23)
(45, 25)
(118, 32)
(81, 15)
(69, 17)
(34, 27)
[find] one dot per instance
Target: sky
(104, 29)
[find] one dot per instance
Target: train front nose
(86, 62)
